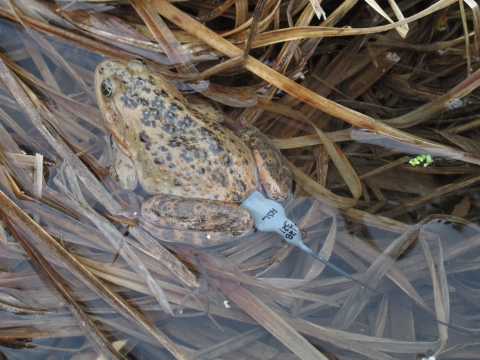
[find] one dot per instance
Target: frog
(196, 171)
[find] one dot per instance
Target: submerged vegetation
(349, 91)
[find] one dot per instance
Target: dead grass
(349, 91)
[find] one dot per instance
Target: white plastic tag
(270, 216)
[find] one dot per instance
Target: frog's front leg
(169, 211)
(274, 172)
(122, 169)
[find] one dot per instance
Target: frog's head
(116, 86)
(113, 77)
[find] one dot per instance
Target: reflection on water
(78, 267)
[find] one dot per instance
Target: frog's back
(175, 149)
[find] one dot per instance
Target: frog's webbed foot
(130, 216)
(274, 172)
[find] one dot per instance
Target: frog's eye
(106, 88)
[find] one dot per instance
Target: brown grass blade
(270, 320)
(307, 96)
(172, 48)
(91, 281)
(359, 296)
(46, 46)
(439, 287)
(15, 218)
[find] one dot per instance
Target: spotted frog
(198, 170)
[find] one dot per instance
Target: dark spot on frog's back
(164, 93)
(175, 107)
(179, 140)
(171, 116)
(186, 156)
(227, 160)
(158, 103)
(206, 132)
(143, 137)
(187, 122)
(241, 185)
(145, 118)
(215, 147)
(150, 80)
(128, 101)
(220, 178)
(169, 128)
(236, 196)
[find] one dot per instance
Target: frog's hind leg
(215, 221)
(274, 172)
